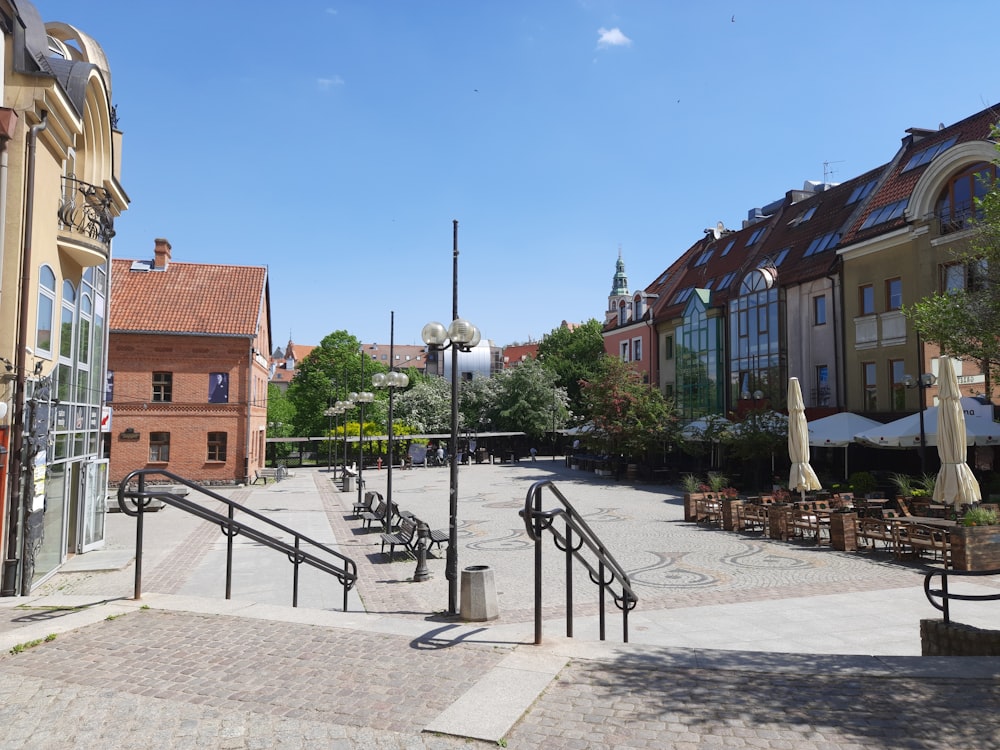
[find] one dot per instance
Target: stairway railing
(318, 556)
(604, 570)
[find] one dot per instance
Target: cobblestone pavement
(204, 673)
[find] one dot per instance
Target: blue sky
(335, 142)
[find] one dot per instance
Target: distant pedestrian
(440, 456)
(534, 453)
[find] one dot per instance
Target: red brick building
(188, 353)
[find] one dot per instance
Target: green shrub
(862, 482)
(980, 517)
(691, 483)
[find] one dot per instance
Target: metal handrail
(606, 573)
(945, 596)
(342, 568)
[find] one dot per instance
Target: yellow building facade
(60, 195)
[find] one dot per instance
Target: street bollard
(422, 573)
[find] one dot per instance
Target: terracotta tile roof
(215, 300)
(299, 351)
(803, 243)
(720, 263)
(900, 181)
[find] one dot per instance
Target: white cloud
(612, 38)
(325, 84)
(331, 11)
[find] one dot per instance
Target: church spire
(619, 285)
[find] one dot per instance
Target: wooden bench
(367, 505)
(265, 473)
(405, 537)
(915, 539)
(408, 537)
(811, 520)
(708, 510)
(753, 514)
(872, 530)
(378, 514)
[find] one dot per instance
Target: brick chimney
(161, 254)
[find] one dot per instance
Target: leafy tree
(754, 440)
(966, 322)
(479, 403)
(425, 405)
(280, 418)
(530, 400)
(574, 355)
(629, 417)
(325, 375)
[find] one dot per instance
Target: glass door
(93, 493)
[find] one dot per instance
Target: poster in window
(218, 388)
(109, 387)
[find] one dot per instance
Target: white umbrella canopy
(905, 432)
(838, 431)
(706, 428)
(955, 482)
(801, 477)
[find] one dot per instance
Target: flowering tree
(629, 417)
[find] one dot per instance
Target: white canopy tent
(838, 431)
(980, 429)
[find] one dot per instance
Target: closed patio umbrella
(955, 482)
(802, 477)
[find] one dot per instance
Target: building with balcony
(60, 194)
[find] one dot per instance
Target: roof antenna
(827, 172)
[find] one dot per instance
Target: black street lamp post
(390, 380)
(461, 335)
(361, 398)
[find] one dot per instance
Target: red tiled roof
(299, 351)
(216, 300)
(901, 181)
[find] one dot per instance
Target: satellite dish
(719, 229)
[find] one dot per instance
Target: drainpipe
(18, 510)
(251, 400)
(839, 322)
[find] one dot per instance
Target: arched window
(46, 307)
(956, 205)
(66, 320)
(622, 313)
(755, 351)
(637, 310)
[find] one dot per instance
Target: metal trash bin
(348, 483)
(479, 594)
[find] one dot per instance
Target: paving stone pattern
(174, 679)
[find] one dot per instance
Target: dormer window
(622, 313)
(637, 310)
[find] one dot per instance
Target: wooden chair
(874, 530)
(915, 539)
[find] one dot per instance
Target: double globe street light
(463, 336)
(360, 398)
(392, 381)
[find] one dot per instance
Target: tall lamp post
(361, 398)
(461, 335)
(331, 412)
(391, 380)
(922, 383)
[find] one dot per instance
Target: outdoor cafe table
(941, 523)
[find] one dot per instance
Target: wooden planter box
(975, 547)
(843, 531)
(690, 503)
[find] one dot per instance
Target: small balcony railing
(958, 217)
(86, 209)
